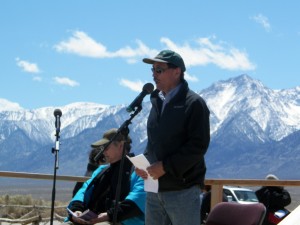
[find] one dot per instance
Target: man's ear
(178, 72)
(121, 144)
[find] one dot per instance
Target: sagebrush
(16, 206)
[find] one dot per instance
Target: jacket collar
(180, 94)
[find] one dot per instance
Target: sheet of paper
(86, 215)
(141, 162)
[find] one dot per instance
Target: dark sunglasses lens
(157, 70)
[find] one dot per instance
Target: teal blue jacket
(136, 194)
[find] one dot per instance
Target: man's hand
(156, 170)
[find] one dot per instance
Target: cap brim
(99, 143)
(151, 61)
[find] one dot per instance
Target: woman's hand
(142, 173)
(78, 220)
(102, 217)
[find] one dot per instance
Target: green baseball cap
(167, 56)
(107, 136)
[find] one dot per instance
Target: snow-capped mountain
(38, 124)
(276, 112)
(254, 131)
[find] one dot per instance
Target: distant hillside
(254, 131)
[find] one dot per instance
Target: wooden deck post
(216, 194)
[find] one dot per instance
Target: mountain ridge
(252, 127)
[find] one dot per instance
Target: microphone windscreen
(148, 88)
(57, 112)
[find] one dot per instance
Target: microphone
(147, 89)
(57, 114)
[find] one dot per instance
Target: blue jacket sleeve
(137, 193)
(84, 194)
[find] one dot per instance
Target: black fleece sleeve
(77, 206)
(126, 209)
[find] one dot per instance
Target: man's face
(113, 153)
(164, 77)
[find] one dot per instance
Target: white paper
(86, 215)
(280, 213)
(141, 162)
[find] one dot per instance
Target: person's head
(168, 69)
(113, 152)
(93, 153)
(93, 164)
(271, 177)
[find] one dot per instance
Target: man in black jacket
(178, 137)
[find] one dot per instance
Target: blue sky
(54, 53)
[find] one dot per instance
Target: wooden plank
(22, 221)
(216, 195)
(234, 182)
(41, 176)
(252, 182)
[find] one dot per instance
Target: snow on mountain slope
(250, 124)
(276, 112)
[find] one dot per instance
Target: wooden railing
(216, 184)
(41, 176)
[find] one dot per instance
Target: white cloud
(27, 66)
(191, 78)
(6, 105)
(203, 53)
(81, 44)
(263, 20)
(206, 52)
(136, 86)
(65, 81)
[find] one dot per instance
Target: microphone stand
(124, 130)
(54, 151)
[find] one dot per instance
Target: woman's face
(113, 153)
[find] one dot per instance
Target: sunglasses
(158, 70)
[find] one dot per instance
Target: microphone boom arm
(123, 127)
